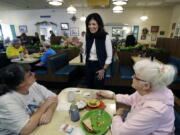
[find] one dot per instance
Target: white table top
(28, 59)
(76, 61)
(62, 116)
(25, 60)
(136, 58)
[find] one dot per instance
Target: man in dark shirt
(130, 40)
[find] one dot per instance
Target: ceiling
(42, 4)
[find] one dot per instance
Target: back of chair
(58, 61)
(4, 61)
(177, 123)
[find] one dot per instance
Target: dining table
(138, 58)
(62, 116)
(77, 61)
(28, 59)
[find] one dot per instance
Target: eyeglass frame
(136, 78)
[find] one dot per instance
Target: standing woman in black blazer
(98, 50)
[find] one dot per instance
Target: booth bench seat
(58, 69)
(126, 72)
(176, 62)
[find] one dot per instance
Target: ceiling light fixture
(119, 2)
(144, 18)
(55, 2)
(117, 9)
(71, 10)
(83, 18)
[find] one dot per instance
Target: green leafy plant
(138, 47)
(35, 46)
(70, 47)
(156, 50)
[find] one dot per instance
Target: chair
(2, 46)
(177, 123)
(4, 60)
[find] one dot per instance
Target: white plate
(81, 104)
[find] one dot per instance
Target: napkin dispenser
(74, 113)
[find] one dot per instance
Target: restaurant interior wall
(175, 17)
(157, 17)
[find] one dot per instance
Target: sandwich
(88, 125)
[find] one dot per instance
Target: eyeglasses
(136, 78)
(30, 73)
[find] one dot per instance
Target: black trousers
(91, 76)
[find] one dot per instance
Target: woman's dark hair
(11, 77)
(95, 16)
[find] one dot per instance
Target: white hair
(158, 75)
(46, 43)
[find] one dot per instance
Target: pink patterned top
(151, 114)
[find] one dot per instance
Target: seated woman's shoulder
(7, 99)
(157, 106)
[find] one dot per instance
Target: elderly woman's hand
(105, 95)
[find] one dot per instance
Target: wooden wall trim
(170, 44)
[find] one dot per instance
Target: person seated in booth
(24, 39)
(48, 52)
(14, 50)
(116, 42)
(24, 104)
(152, 105)
(36, 39)
(130, 40)
(7, 40)
(75, 42)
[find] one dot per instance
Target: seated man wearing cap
(13, 50)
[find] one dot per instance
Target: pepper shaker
(74, 113)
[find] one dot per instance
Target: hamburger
(93, 103)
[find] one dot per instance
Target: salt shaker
(74, 113)
(21, 56)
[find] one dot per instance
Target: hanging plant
(145, 31)
(73, 18)
(46, 23)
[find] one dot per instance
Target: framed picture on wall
(162, 33)
(64, 26)
(74, 31)
(177, 31)
(154, 28)
(23, 28)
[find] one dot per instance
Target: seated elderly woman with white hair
(152, 111)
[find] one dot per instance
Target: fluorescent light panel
(55, 2)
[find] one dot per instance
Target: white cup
(71, 96)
